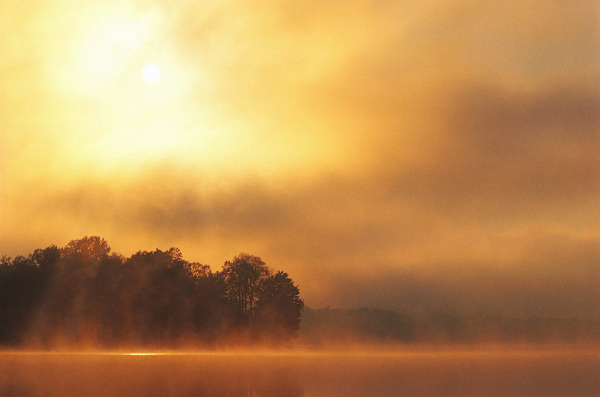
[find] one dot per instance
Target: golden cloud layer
(392, 154)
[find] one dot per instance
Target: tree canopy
(82, 294)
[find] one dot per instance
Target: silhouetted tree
(198, 271)
(92, 248)
(242, 280)
(160, 294)
(47, 259)
(71, 302)
(213, 315)
(82, 293)
(20, 286)
(279, 306)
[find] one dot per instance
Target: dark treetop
(82, 295)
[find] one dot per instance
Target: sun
(151, 73)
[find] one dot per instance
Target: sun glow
(151, 73)
(131, 95)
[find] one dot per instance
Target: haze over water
(435, 372)
(392, 154)
(434, 159)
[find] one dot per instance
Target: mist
(416, 373)
(311, 198)
(81, 296)
(390, 155)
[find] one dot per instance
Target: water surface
(290, 374)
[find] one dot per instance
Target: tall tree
(92, 248)
(279, 306)
(242, 280)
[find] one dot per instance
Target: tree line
(346, 326)
(82, 294)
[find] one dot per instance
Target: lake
(435, 372)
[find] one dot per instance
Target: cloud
(397, 155)
(347, 243)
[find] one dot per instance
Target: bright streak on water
(434, 372)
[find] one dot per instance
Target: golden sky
(410, 155)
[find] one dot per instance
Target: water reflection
(145, 375)
(304, 374)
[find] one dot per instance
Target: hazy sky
(409, 155)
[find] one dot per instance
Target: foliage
(279, 305)
(243, 277)
(82, 294)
